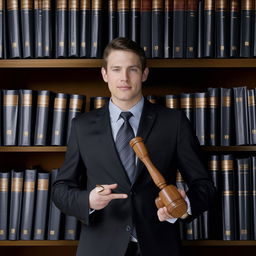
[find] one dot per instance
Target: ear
(104, 74)
(145, 74)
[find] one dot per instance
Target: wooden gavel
(169, 196)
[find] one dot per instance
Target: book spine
(70, 232)
(42, 114)
(76, 106)
(191, 28)
(13, 29)
(10, 117)
(241, 115)
(209, 20)
(85, 26)
(25, 118)
(168, 16)
(73, 28)
(213, 104)
(246, 44)
(200, 29)
(112, 19)
(4, 204)
(41, 206)
(186, 104)
(243, 190)
(171, 101)
(123, 10)
(28, 204)
(252, 116)
(145, 27)
(58, 125)
(96, 29)
(234, 28)
(98, 102)
(38, 26)
(228, 197)
(15, 204)
(27, 29)
(221, 25)
(47, 28)
(61, 29)
(2, 24)
(135, 21)
(200, 117)
(225, 116)
(253, 184)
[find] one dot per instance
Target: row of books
(27, 211)
(164, 28)
(232, 216)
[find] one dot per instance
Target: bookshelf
(82, 76)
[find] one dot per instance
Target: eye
(134, 69)
(115, 69)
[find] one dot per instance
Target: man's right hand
(99, 200)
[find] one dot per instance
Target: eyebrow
(133, 66)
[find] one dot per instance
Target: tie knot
(126, 115)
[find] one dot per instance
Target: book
(186, 104)
(253, 185)
(171, 101)
(47, 25)
(98, 102)
(71, 225)
(2, 29)
(27, 212)
(252, 115)
(134, 32)
(168, 16)
(200, 29)
(112, 19)
(38, 26)
(123, 11)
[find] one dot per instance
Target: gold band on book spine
(60, 104)
(99, 103)
(251, 101)
(234, 5)
(73, 5)
(228, 193)
(62, 5)
(213, 165)
(12, 5)
(1, 5)
(123, 5)
(85, 5)
(247, 5)
(112, 5)
(227, 165)
(43, 101)
(168, 5)
(152, 100)
(43, 184)
(171, 103)
(3, 184)
(11, 100)
(209, 5)
(135, 5)
(157, 5)
(37, 4)
(26, 4)
(192, 5)
(178, 5)
(213, 102)
(97, 5)
(254, 192)
(243, 231)
(221, 5)
(226, 101)
(201, 102)
(146, 5)
(76, 104)
(186, 102)
(46, 4)
(29, 186)
(17, 184)
(26, 100)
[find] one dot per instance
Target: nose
(124, 75)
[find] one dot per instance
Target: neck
(125, 105)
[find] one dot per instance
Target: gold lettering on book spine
(43, 184)
(11, 100)
(234, 5)
(247, 5)
(98, 103)
(227, 165)
(201, 102)
(76, 104)
(226, 101)
(209, 5)
(112, 5)
(17, 184)
(37, 4)
(213, 102)
(1, 5)
(29, 186)
(135, 5)
(26, 4)
(221, 5)
(97, 5)
(186, 102)
(73, 5)
(157, 5)
(46, 5)
(62, 4)
(123, 5)
(3, 185)
(43, 101)
(26, 100)
(12, 5)
(213, 165)
(85, 5)
(60, 104)
(171, 103)
(251, 101)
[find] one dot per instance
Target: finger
(167, 214)
(161, 214)
(107, 189)
(116, 196)
(182, 192)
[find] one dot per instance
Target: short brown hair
(124, 44)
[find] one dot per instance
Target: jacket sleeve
(67, 192)
(201, 190)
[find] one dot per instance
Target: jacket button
(128, 228)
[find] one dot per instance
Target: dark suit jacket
(92, 159)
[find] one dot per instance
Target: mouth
(124, 88)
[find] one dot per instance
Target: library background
(201, 58)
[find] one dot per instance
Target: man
(111, 192)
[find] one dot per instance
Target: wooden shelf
(33, 149)
(229, 148)
(153, 63)
(218, 243)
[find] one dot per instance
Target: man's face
(124, 77)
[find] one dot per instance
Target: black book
(47, 28)
(15, 204)
(195, 228)
(191, 28)
(241, 115)
(73, 28)
(4, 204)
(247, 26)
(27, 29)
(222, 28)
(145, 27)
(171, 101)
(200, 117)
(225, 116)
(2, 29)
(27, 213)
(157, 29)
(178, 47)
(25, 118)
(252, 116)
(243, 192)
(59, 116)
(228, 198)
(253, 185)
(214, 117)
(43, 118)
(13, 23)
(112, 19)
(41, 206)
(71, 225)
(98, 102)
(96, 29)
(61, 29)
(186, 104)
(38, 26)
(209, 28)
(1, 118)
(10, 117)
(85, 32)
(234, 28)
(168, 17)
(123, 11)
(135, 21)
(54, 214)
(152, 98)
(76, 106)
(200, 29)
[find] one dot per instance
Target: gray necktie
(126, 154)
